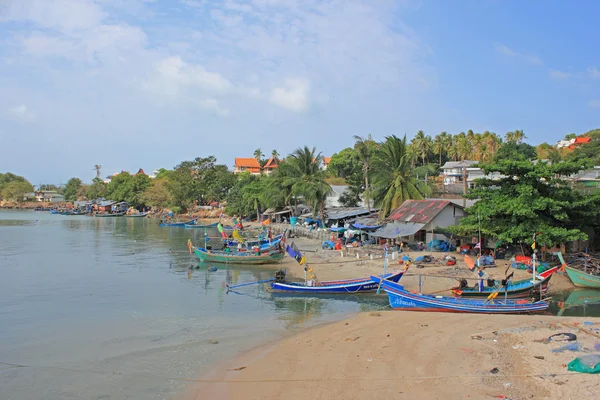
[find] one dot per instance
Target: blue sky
(149, 83)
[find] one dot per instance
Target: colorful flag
(470, 263)
(295, 253)
(220, 227)
(236, 235)
(478, 245)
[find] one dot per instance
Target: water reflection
(579, 302)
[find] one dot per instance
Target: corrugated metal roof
(342, 213)
(106, 203)
(391, 231)
(418, 211)
(459, 164)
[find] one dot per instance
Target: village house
(326, 161)
(417, 220)
(44, 196)
(572, 143)
(252, 166)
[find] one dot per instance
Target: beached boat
(242, 257)
(140, 215)
(178, 224)
(250, 242)
(400, 299)
(345, 286)
(513, 290)
(583, 279)
(199, 226)
(119, 214)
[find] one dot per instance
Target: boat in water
(271, 256)
(200, 226)
(344, 286)
(401, 299)
(177, 224)
(582, 278)
(110, 215)
(513, 290)
(140, 215)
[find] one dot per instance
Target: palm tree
(412, 154)
(440, 143)
(307, 179)
(475, 145)
(365, 155)
(258, 154)
(422, 144)
(464, 148)
(519, 136)
(275, 155)
(393, 181)
(452, 148)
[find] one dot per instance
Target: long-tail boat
(108, 215)
(345, 286)
(241, 257)
(512, 290)
(199, 226)
(177, 224)
(583, 279)
(401, 299)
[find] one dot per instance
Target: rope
(328, 379)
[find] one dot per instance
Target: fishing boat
(54, 211)
(254, 241)
(242, 257)
(401, 299)
(582, 278)
(512, 290)
(199, 226)
(140, 215)
(345, 286)
(177, 224)
(119, 214)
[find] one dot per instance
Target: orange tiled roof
(272, 163)
(247, 162)
(326, 160)
(583, 139)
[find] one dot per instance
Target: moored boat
(242, 257)
(199, 226)
(344, 286)
(583, 279)
(119, 214)
(512, 290)
(177, 224)
(140, 215)
(401, 299)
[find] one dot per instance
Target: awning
(391, 231)
(361, 226)
(338, 229)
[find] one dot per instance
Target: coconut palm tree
(275, 155)
(423, 145)
(464, 147)
(393, 181)
(307, 179)
(365, 155)
(452, 148)
(440, 143)
(258, 155)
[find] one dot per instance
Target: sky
(131, 84)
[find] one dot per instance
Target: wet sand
(407, 355)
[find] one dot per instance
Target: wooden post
(464, 186)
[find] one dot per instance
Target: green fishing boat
(579, 298)
(242, 257)
(583, 279)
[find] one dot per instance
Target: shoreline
(395, 354)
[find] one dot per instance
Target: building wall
(449, 216)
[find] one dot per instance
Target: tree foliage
(9, 177)
(393, 179)
(516, 152)
(97, 190)
(529, 198)
(158, 194)
(15, 190)
(71, 189)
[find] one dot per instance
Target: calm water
(102, 308)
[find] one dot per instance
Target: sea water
(108, 308)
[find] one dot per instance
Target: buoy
(211, 269)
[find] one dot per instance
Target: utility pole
(465, 186)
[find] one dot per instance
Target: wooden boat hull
(346, 286)
(176, 224)
(583, 279)
(515, 290)
(110, 215)
(196, 226)
(401, 299)
(142, 215)
(244, 258)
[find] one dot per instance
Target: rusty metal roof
(418, 211)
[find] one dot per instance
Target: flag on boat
(470, 263)
(478, 245)
(534, 245)
(267, 222)
(220, 228)
(295, 253)
(236, 235)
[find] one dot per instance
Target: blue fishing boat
(401, 299)
(54, 211)
(199, 226)
(345, 286)
(255, 241)
(177, 224)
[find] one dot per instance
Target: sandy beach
(408, 355)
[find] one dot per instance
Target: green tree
(48, 187)
(587, 152)
(7, 178)
(72, 189)
(422, 144)
(393, 181)
(516, 152)
(529, 198)
(275, 155)
(97, 189)
(516, 137)
(158, 194)
(15, 190)
(308, 179)
(365, 151)
(440, 145)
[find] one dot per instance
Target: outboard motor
(279, 276)
(491, 282)
(462, 284)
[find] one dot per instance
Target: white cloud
(594, 72)
(213, 105)
(21, 113)
(558, 75)
(64, 15)
(293, 95)
(529, 58)
(594, 103)
(176, 71)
